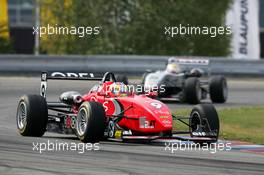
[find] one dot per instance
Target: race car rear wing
(193, 61)
(190, 63)
(45, 76)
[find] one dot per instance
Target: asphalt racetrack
(18, 157)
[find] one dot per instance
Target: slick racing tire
(204, 122)
(218, 89)
(122, 78)
(91, 122)
(32, 115)
(192, 90)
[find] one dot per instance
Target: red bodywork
(141, 113)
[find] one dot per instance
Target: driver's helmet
(173, 66)
(119, 89)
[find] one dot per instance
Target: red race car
(110, 110)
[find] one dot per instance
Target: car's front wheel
(91, 122)
(218, 89)
(204, 122)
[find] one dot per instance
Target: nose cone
(154, 111)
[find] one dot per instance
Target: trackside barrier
(127, 64)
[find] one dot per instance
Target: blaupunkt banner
(243, 18)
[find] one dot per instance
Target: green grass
(244, 124)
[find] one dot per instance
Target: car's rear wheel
(122, 78)
(192, 90)
(204, 122)
(91, 122)
(218, 89)
(32, 115)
